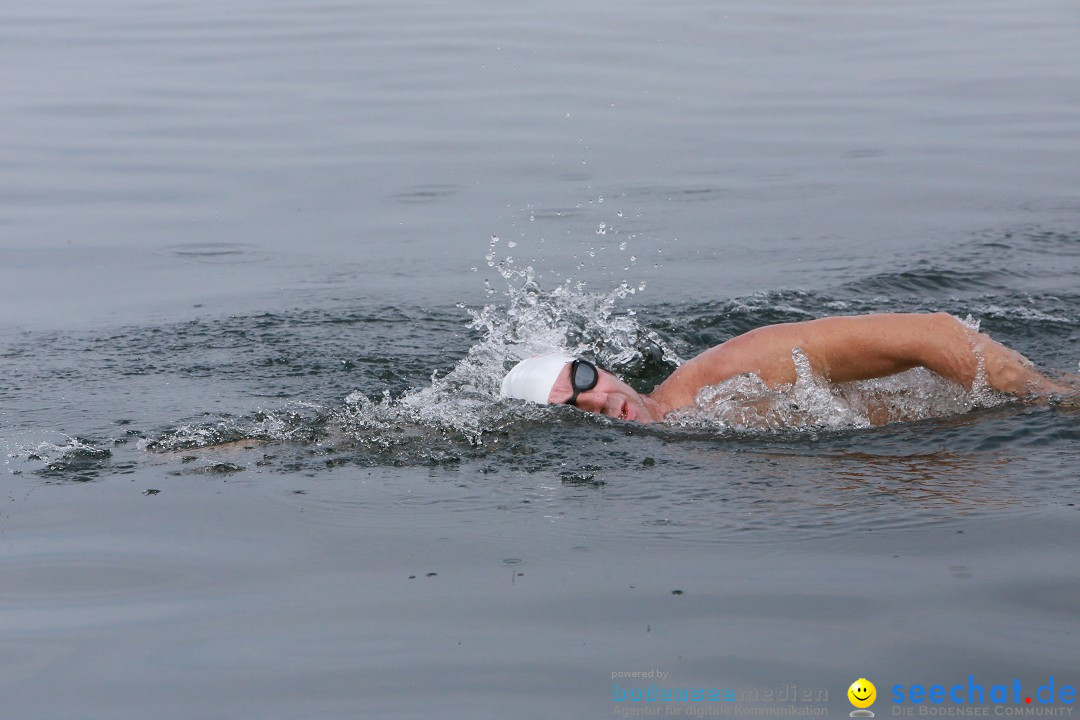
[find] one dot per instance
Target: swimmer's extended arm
(842, 349)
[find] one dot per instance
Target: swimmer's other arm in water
(839, 349)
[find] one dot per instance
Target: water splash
(446, 419)
(568, 318)
(747, 404)
(76, 459)
(74, 448)
(301, 422)
(459, 413)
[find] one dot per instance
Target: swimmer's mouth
(627, 412)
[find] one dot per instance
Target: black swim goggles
(583, 378)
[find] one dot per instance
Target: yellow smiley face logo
(862, 693)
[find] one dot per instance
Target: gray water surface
(227, 228)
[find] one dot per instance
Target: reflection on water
(954, 481)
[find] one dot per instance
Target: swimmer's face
(611, 397)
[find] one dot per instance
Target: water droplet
(622, 245)
(602, 229)
(511, 243)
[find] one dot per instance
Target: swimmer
(840, 349)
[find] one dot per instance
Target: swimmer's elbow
(941, 339)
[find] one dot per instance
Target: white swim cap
(533, 378)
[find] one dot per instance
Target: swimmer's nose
(592, 401)
(602, 403)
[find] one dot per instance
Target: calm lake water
(261, 264)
